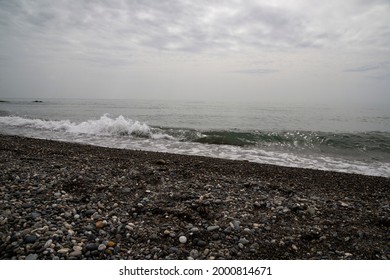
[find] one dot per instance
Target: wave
(372, 144)
(105, 126)
(368, 141)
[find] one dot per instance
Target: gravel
(70, 201)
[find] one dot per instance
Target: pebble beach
(65, 201)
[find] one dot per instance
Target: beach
(62, 200)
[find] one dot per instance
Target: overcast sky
(298, 50)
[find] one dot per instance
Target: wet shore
(71, 201)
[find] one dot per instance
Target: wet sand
(71, 201)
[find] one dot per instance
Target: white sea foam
(105, 126)
(95, 132)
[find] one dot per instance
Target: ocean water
(353, 139)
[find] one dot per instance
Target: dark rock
(160, 162)
(30, 238)
(89, 212)
(91, 246)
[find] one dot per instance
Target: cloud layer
(229, 34)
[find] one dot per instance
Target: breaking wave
(360, 152)
(105, 126)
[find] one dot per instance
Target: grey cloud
(257, 71)
(367, 68)
(187, 26)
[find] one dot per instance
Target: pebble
(99, 224)
(48, 243)
(212, 228)
(243, 241)
(274, 218)
(235, 224)
(311, 210)
(32, 257)
(30, 238)
(63, 251)
(111, 244)
(76, 253)
(89, 212)
(35, 215)
(194, 229)
(91, 246)
(182, 239)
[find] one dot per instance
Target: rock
(243, 241)
(89, 212)
(35, 215)
(77, 248)
(30, 238)
(48, 243)
(67, 225)
(194, 229)
(75, 253)
(295, 248)
(182, 239)
(102, 247)
(202, 243)
(235, 224)
(100, 224)
(311, 211)
(194, 254)
(32, 257)
(212, 228)
(111, 244)
(91, 246)
(160, 162)
(126, 190)
(63, 251)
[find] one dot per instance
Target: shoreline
(64, 200)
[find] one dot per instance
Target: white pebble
(182, 239)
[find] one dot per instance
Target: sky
(265, 51)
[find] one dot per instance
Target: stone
(35, 215)
(182, 239)
(202, 243)
(30, 238)
(99, 224)
(89, 212)
(67, 225)
(343, 204)
(32, 257)
(111, 244)
(194, 229)
(212, 228)
(48, 243)
(243, 241)
(102, 247)
(126, 190)
(77, 248)
(63, 251)
(235, 224)
(75, 253)
(311, 210)
(91, 247)
(160, 162)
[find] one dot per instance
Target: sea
(351, 139)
